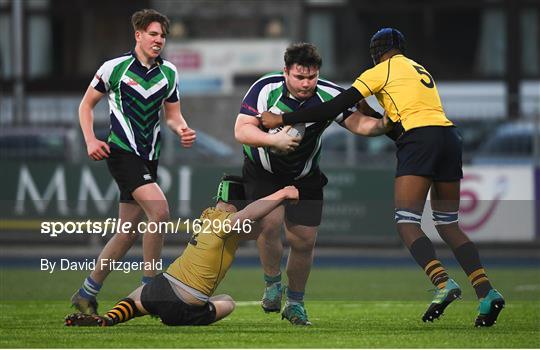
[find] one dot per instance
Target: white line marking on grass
(527, 287)
(247, 303)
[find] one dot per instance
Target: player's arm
(96, 149)
(367, 122)
(365, 125)
(325, 111)
(247, 132)
(262, 207)
(177, 123)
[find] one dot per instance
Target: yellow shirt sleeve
(372, 80)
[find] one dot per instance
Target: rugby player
(297, 87)
(138, 85)
(183, 294)
(429, 151)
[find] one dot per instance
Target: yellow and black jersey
(406, 91)
(208, 255)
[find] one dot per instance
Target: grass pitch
(349, 308)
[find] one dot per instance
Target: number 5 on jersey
(422, 71)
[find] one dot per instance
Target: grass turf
(349, 307)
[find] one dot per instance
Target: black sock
(468, 258)
(423, 252)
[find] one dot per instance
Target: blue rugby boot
(296, 314)
(443, 298)
(271, 300)
(490, 307)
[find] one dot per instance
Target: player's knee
(442, 219)
(126, 238)
(271, 230)
(302, 244)
(160, 214)
(407, 216)
(224, 305)
(231, 304)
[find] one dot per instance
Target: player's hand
(291, 193)
(271, 120)
(364, 107)
(97, 149)
(187, 137)
(285, 143)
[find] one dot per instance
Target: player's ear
(286, 70)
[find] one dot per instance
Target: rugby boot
(443, 297)
(84, 305)
(271, 300)
(85, 320)
(296, 314)
(488, 310)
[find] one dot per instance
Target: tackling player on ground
(183, 294)
(429, 157)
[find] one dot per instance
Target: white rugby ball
(295, 131)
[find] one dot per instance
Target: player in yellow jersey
(183, 294)
(429, 151)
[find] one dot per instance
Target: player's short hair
(302, 54)
(231, 191)
(142, 19)
(385, 40)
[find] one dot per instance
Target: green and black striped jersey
(270, 92)
(136, 95)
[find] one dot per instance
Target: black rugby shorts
(158, 298)
(130, 172)
(259, 183)
(431, 151)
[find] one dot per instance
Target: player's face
(301, 81)
(151, 41)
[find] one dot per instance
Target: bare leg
(224, 305)
(269, 242)
(136, 297)
(445, 198)
(120, 243)
(302, 241)
(153, 202)
(410, 194)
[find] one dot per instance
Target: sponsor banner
(358, 203)
(497, 204)
(209, 66)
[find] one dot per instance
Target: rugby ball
(297, 130)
